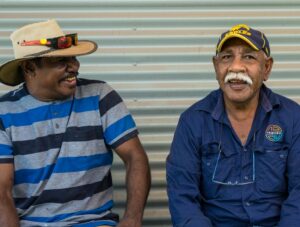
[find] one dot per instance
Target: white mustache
(238, 76)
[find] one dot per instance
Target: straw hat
(10, 71)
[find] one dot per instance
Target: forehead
(236, 43)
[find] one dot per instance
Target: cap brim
(219, 47)
(9, 71)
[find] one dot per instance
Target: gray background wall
(157, 55)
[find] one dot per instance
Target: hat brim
(219, 48)
(10, 71)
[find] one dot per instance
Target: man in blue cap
(235, 156)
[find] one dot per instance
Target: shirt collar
(214, 102)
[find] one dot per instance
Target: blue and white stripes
(62, 153)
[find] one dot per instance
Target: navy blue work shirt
(215, 180)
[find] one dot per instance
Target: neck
(241, 111)
(241, 117)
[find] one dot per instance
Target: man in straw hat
(235, 156)
(57, 135)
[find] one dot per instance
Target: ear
(28, 68)
(268, 68)
(215, 62)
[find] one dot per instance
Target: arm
(290, 211)
(183, 178)
(137, 181)
(8, 213)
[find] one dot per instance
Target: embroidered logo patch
(274, 133)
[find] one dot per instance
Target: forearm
(8, 213)
(138, 185)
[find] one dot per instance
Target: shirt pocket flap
(276, 147)
(214, 148)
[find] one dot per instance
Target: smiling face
(51, 78)
(240, 71)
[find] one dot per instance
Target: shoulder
(11, 100)
(200, 113)
(203, 106)
(286, 105)
(13, 95)
(87, 87)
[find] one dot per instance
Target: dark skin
(55, 79)
(241, 99)
(8, 213)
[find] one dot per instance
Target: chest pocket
(218, 167)
(271, 168)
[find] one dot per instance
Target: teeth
(70, 78)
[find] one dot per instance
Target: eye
(249, 56)
(225, 57)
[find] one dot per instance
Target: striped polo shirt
(62, 153)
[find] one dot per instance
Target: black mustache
(71, 74)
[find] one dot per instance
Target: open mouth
(70, 78)
(238, 78)
(234, 81)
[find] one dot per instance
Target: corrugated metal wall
(157, 54)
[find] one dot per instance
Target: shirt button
(248, 204)
(208, 164)
(245, 149)
(281, 156)
(246, 177)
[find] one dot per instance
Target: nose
(72, 64)
(237, 65)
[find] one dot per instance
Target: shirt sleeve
(290, 211)
(117, 122)
(183, 179)
(6, 152)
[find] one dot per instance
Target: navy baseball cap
(256, 39)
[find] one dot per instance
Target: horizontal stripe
(5, 150)
(106, 216)
(48, 142)
(33, 176)
(84, 82)
(2, 128)
(96, 224)
(70, 164)
(59, 217)
(62, 180)
(84, 133)
(99, 89)
(66, 194)
(125, 138)
(86, 104)
(69, 149)
(109, 101)
(38, 145)
(38, 114)
(6, 160)
(48, 112)
(116, 129)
